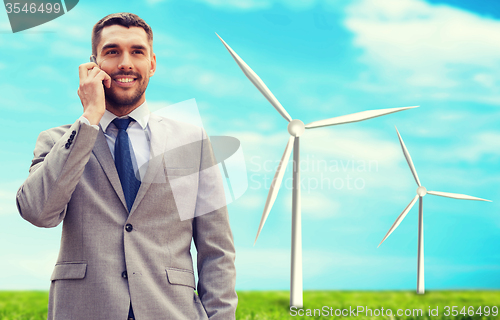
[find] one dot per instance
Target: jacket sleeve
(214, 242)
(60, 157)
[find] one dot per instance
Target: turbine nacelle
(421, 191)
(296, 128)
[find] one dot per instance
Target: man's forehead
(121, 35)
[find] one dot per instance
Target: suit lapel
(157, 149)
(103, 155)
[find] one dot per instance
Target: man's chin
(122, 102)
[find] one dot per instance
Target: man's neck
(122, 110)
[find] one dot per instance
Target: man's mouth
(125, 81)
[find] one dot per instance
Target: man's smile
(125, 81)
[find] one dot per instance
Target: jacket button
(129, 227)
(124, 275)
(73, 132)
(67, 145)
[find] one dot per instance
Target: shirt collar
(139, 114)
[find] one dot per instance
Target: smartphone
(92, 59)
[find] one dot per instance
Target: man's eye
(138, 52)
(112, 52)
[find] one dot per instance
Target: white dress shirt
(138, 132)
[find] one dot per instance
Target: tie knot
(122, 124)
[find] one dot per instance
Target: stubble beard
(125, 101)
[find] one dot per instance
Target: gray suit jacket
(75, 181)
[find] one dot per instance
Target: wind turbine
(421, 192)
(295, 128)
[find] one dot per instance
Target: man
(119, 178)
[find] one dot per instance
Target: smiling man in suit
(114, 178)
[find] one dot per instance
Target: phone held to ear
(92, 59)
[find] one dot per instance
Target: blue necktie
(123, 162)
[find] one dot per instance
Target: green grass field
(273, 305)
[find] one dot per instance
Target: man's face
(125, 55)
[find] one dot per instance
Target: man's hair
(123, 19)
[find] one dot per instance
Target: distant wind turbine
(295, 128)
(421, 192)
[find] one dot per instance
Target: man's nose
(126, 62)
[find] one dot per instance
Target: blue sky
(321, 59)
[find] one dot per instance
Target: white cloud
(240, 4)
(215, 83)
(232, 4)
(483, 145)
(27, 272)
(5, 26)
(8, 193)
(254, 5)
(49, 74)
(346, 144)
(429, 45)
(39, 265)
(315, 205)
(256, 266)
(251, 201)
(61, 48)
(7, 201)
(275, 263)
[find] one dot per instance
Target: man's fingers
(98, 74)
(93, 73)
(84, 68)
(104, 77)
(107, 79)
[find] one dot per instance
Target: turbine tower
(421, 192)
(296, 128)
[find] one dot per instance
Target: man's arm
(214, 243)
(58, 163)
(60, 156)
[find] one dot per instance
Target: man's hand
(91, 91)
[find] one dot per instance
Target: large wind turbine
(421, 192)
(295, 128)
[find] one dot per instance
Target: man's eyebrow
(139, 46)
(109, 46)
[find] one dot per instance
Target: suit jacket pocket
(181, 277)
(69, 271)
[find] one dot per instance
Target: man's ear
(153, 65)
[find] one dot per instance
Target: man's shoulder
(178, 127)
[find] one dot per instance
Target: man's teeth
(125, 80)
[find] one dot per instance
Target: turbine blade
(257, 82)
(456, 196)
(399, 219)
(355, 117)
(275, 185)
(408, 158)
